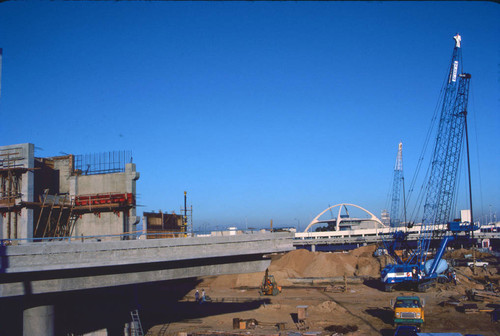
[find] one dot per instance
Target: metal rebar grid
(103, 163)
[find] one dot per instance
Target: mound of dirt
(367, 267)
(330, 265)
(480, 272)
(327, 307)
(461, 253)
(358, 262)
(296, 261)
(364, 251)
(303, 264)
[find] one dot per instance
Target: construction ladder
(136, 327)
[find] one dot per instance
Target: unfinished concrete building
(163, 225)
(66, 196)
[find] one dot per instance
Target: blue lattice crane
(440, 187)
(396, 240)
(397, 190)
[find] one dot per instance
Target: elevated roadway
(35, 269)
(363, 236)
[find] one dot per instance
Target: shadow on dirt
(86, 311)
(384, 314)
(341, 329)
(377, 284)
(387, 332)
(374, 283)
(162, 305)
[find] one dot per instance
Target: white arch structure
(339, 218)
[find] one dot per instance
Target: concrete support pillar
(126, 225)
(313, 248)
(126, 329)
(73, 185)
(38, 320)
(130, 187)
(25, 225)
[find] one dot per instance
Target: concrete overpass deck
(33, 276)
(38, 268)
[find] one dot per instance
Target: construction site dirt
(324, 294)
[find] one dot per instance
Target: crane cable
(433, 123)
(480, 184)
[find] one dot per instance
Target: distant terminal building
(66, 196)
(163, 225)
(385, 218)
(344, 221)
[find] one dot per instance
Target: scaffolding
(11, 171)
(58, 214)
(187, 220)
(60, 219)
(164, 225)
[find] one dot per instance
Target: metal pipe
(185, 212)
(470, 193)
(9, 193)
(8, 227)
(15, 224)
(404, 201)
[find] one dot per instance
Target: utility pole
(187, 216)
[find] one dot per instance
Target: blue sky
(259, 110)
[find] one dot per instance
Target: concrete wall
(103, 183)
(106, 223)
(64, 165)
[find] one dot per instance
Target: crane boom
(396, 188)
(440, 189)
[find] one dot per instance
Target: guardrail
(123, 236)
(300, 238)
(93, 238)
(365, 236)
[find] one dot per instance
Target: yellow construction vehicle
(269, 285)
(408, 310)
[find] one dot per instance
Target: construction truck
(408, 310)
(478, 263)
(269, 285)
